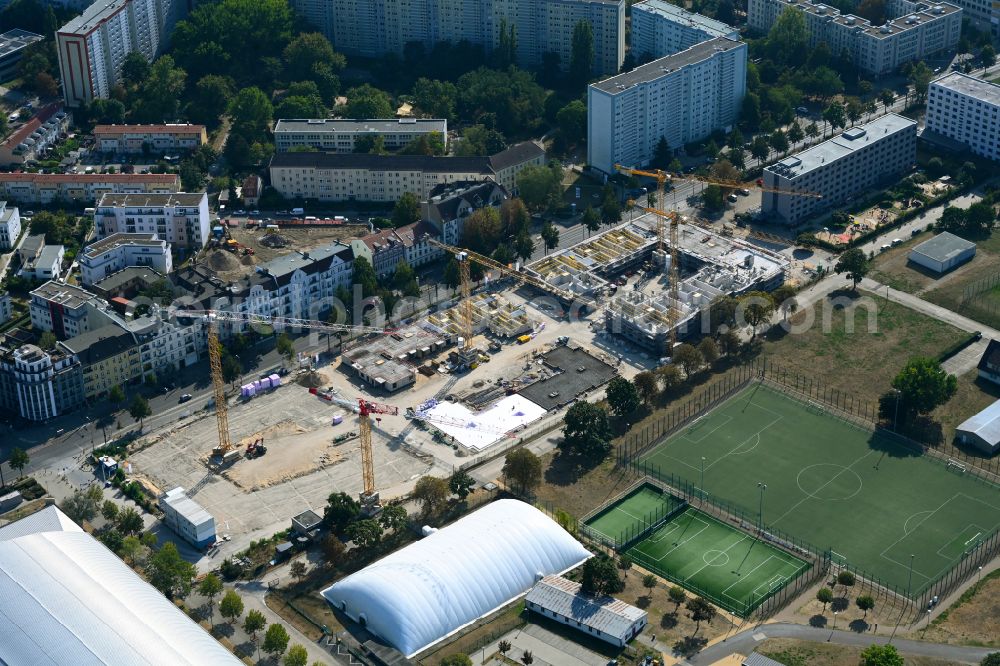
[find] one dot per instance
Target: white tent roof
(66, 599)
(430, 589)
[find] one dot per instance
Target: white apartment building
(180, 219)
(660, 28)
(6, 308)
(375, 27)
(119, 251)
(45, 188)
(168, 344)
(340, 136)
(10, 226)
(46, 265)
(919, 31)
(682, 97)
(840, 169)
(67, 310)
(92, 47)
(132, 139)
(967, 110)
(40, 385)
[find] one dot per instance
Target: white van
(298, 211)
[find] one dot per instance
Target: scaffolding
(490, 312)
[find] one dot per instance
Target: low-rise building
(150, 139)
(119, 251)
(108, 357)
(187, 518)
(10, 226)
(31, 247)
(943, 252)
(364, 177)
(47, 264)
(967, 110)
(307, 523)
(840, 169)
(181, 219)
(46, 188)
(66, 310)
(383, 249)
(252, 188)
(127, 283)
(31, 140)
(12, 46)
(989, 364)
(341, 135)
(681, 98)
(39, 385)
(982, 430)
(450, 204)
(604, 618)
(660, 28)
(417, 247)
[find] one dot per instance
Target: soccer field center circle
(715, 558)
(815, 482)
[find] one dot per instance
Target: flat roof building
(116, 252)
(605, 618)
(181, 219)
(187, 518)
(12, 45)
(967, 110)
(341, 136)
(660, 28)
(943, 252)
(10, 226)
(682, 98)
(839, 169)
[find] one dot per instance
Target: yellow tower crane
(218, 389)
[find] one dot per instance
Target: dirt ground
(849, 616)
(792, 652)
(298, 239)
(973, 620)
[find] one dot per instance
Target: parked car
(184, 398)
(802, 111)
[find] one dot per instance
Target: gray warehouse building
(943, 252)
(982, 430)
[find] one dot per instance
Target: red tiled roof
(25, 130)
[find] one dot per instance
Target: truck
(298, 211)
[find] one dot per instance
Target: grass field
(633, 513)
(729, 567)
(833, 485)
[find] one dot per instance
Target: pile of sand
(222, 261)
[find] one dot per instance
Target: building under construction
(388, 362)
(710, 266)
(490, 312)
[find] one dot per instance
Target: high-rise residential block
(967, 110)
(660, 28)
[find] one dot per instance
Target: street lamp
(910, 577)
(760, 511)
(895, 415)
(835, 613)
(702, 486)
(927, 624)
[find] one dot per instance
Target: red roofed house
(31, 139)
(252, 188)
(153, 138)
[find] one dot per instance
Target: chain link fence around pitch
(860, 414)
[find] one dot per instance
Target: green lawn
(833, 485)
(726, 566)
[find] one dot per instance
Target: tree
(231, 606)
(285, 347)
(524, 245)
(701, 611)
(297, 656)
(333, 550)
(161, 91)
(600, 576)
(365, 533)
(750, 114)
(210, 587)
(923, 386)
(758, 307)
(129, 522)
(887, 97)
(298, 569)
(527, 658)
(550, 236)
(402, 276)
(47, 341)
(712, 198)
(83, 505)
(308, 50)
(586, 432)
(729, 342)
(624, 563)
(992, 659)
(366, 101)
(461, 484)
(865, 602)
(649, 582)
(254, 622)
(572, 122)
(836, 115)
(275, 640)
(435, 98)
(539, 186)
(824, 595)
(169, 573)
(406, 211)
(987, 56)
(452, 273)
(393, 517)
(251, 113)
(504, 646)
(854, 109)
(139, 410)
(688, 357)
(109, 510)
(18, 460)
(212, 95)
(523, 469)
(812, 130)
(341, 510)
(458, 659)
(779, 141)
(646, 385)
(135, 68)
(784, 297)
(302, 106)
(581, 53)
(131, 549)
(479, 140)
(760, 148)
(980, 219)
(677, 595)
(881, 655)
(795, 133)
(845, 578)
(622, 396)
(432, 491)
(855, 264)
(709, 350)
(788, 38)
(920, 78)
(481, 232)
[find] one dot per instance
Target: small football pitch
(876, 504)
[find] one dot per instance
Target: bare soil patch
(974, 619)
(292, 450)
(792, 652)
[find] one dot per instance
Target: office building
(12, 46)
(840, 169)
(660, 28)
(917, 31)
(10, 226)
(46, 188)
(373, 28)
(187, 518)
(93, 46)
(340, 136)
(153, 139)
(364, 177)
(32, 140)
(967, 110)
(682, 98)
(180, 219)
(119, 251)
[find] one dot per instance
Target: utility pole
(760, 511)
